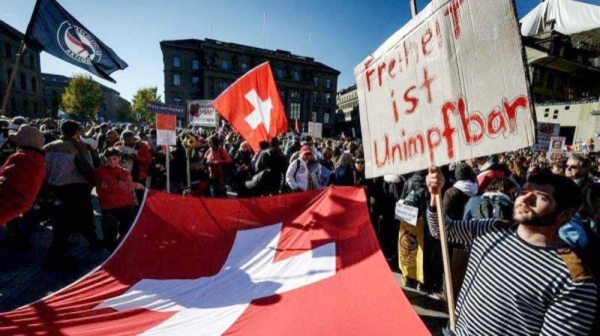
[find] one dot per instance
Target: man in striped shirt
(521, 278)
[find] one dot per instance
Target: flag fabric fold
(298, 264)
(63, 36)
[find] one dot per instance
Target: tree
(82, 97)
(143, 96)
(124, 112)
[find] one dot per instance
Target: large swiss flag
(252, 106)
(300, 264)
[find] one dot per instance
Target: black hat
(464, 172)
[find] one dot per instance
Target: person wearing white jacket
(298, 176)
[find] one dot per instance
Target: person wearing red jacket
(217, 159)
(114, 187)
(22, 174)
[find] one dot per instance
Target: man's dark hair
(127, 134)
(263, 145)
(566, 193)
(69, 128)
(274, 143)
(112, 151)
(585, 162)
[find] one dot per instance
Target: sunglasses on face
(572, 167)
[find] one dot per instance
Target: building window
(26, 107)
(225, 65)
(296, 75)
(176, 79)
(315, 96)
(177, 101)
(295, 94)
(8, 50)
(23, 82)
(222, 85)
(279, 73)
(327, 98)
(295, 109)
(8, 74)
(244, 66)
(35, 108)
(32, 61)
(282, 93)
(314, 116)
(555, 116)
(316, 81)
(195, 81)
(33, 85)
(13, 105)
(326, 118)
(195, 64)
(546, 113)
(176, 61)
(328, 84)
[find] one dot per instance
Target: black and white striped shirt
(514, 288)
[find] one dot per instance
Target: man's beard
(537, 220)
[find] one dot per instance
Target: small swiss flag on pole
(252, 106)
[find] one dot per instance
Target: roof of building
(64, 80)
(17, 36)
(197, 44)
(348, 89)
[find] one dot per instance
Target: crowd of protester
(50, 169)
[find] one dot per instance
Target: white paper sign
(448, 86)
(202, 113)
(315, 130)
(407, 213)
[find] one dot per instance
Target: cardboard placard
(315, 130)
(448, 86)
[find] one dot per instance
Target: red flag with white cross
(297, 264)
(252, 106)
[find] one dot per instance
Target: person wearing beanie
(465, 187)
(22, 175)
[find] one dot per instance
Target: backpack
(494, 207)
(285, 187)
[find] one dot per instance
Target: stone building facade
(54, 86)
(26, 97)
(348, 116)
(202, 69)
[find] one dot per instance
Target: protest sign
(407, 213)
(315, 130)
(555, 148)
(165, 109)
(202, 113)
(165, 130)
(448, 86)
(544, 132)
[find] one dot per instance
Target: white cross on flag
(299, 264)
(252, 106)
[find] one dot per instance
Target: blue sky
(342, 32)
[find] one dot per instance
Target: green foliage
(143, 96)
(82, 97)
(124, 112)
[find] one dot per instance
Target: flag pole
(167, 149)
(443, 238)
(22, 49)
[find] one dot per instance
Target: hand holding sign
(435, 182)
